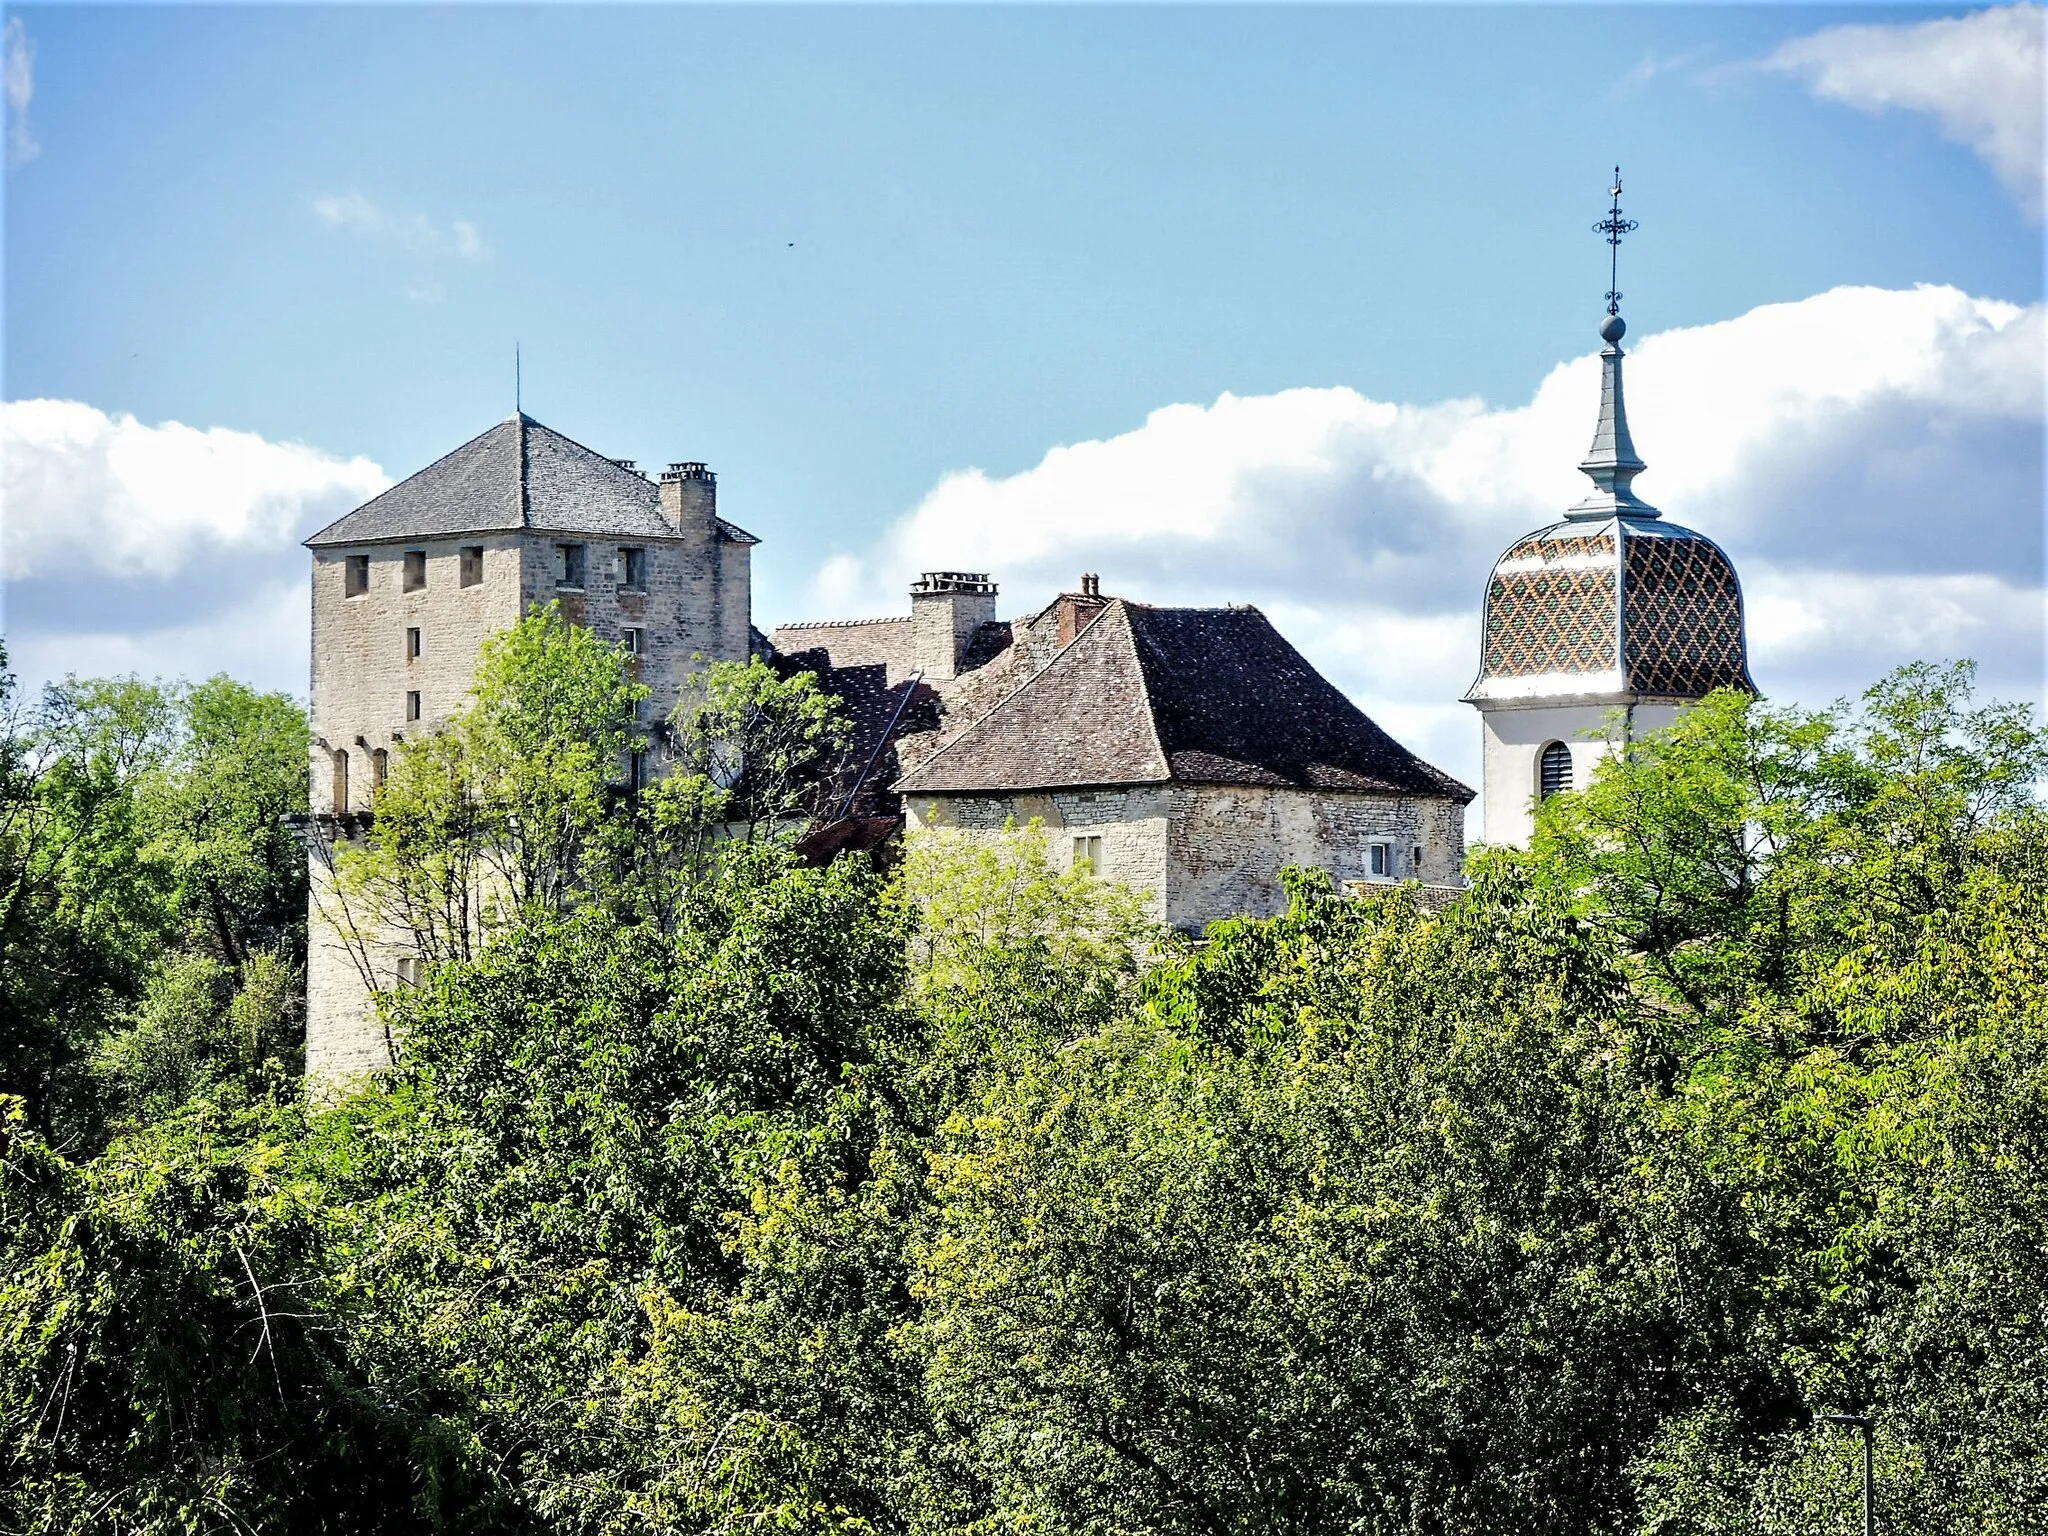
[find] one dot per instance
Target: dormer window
(415, 569)
(355, 575)
(569, 565)
(633, 570)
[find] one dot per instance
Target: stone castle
(1191, 753)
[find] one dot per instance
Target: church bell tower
(1600, 626)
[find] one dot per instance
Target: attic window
(633, 569)
(415, 569)
(355, 575)
(472, 565)
(569, 565)
(1555, 775)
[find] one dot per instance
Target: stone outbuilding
(1188, 752)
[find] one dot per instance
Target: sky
(1289, 306)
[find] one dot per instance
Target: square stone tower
(407, 587)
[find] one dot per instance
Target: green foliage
(717, 1193)
(140, 826)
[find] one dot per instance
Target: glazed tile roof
(1629, 606)
(518, 475)
(1194, 695)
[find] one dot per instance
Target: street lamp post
(1862, 1422)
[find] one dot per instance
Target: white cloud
(85, 492)
(1980, 76)
(414, 232)
(1871, 458)
(18, 78)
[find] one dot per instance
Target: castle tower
(406, 589)
(1605, 624)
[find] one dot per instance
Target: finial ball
(1613, 328)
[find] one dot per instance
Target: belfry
(1602, 625)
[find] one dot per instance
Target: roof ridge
(525, 499)
(894, 618)
(1015, 695)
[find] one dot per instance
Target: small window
(380, 765)
(1555, 774)
(569, 565)
(408, 970)
(634, 640)
(1418, 858)
(412, 644)
(355, 575)
(1088, 854)
(636, 770)
(633, 569)
(339, 788)
(472, 565)
(415, 569)
(1379, 860)
(412, 704)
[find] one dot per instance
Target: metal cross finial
(1614, 226)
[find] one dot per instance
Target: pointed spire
(1612, 463)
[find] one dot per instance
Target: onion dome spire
(1612, 463)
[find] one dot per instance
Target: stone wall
(696, 608)
(1132, 823)
(1207, 852)
(1228, 844)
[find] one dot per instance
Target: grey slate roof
(1194, 695)
(518, 475)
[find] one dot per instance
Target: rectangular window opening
(355, 575)
(472, 565)
(1418, 858)
(633, 569)
(412, 704)
(1379, 860)
(634, 640)
(1088, 854)
(415, 569)
(408, 970)
(412, 644)
(569, 565)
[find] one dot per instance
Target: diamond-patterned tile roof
(1651, 606)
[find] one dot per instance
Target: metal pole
(1863, 1422)
(1866, 1477)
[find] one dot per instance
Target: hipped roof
(518, 475)
(1194, 695)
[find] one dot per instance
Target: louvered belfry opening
(1556, 771)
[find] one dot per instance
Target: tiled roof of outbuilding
(1199, 695)
(518, 475)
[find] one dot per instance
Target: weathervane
(1614, 226)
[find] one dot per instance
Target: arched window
(341, 783)
(1554, 775)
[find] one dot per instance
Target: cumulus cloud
(1871, 458)
(413, 232)
(1980, 76)
(87, 492)
(18, 79)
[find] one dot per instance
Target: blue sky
(846, 254)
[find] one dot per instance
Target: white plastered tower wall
(408, 588)
(1599, 628)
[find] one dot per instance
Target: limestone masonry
(1191, 753)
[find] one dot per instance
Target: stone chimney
(946, 608)
(689, 497)
(1077, 610)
